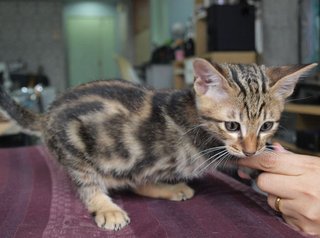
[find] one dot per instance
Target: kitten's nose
(248, 153)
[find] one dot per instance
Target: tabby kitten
(115, 134)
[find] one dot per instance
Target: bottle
(189, 41)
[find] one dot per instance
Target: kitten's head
(242, 104)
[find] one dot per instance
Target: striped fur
(114, 134)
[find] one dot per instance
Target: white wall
(280, 32)
(164, 14)
(31, 31)
(119, 10)
(94, 9)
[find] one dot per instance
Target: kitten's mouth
(240, 154)
(236, 153)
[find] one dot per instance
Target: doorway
(91, 49)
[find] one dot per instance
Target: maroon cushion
(37, 200)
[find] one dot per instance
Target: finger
(282, 205)
(283, 186)
(247, 173)
(276, 162)
(300, 224)
(293, 222)
(294, 218)
(243, 175)
(287, 207)
(272, 203)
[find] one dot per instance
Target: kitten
(115, 134)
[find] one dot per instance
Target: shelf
(178, 72)
(240, 57)
(294, 148)
(303, 109)
(8, 128)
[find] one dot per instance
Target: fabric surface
(38, 200)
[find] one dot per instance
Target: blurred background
(48, 46)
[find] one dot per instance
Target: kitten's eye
(267, 126)
(232, 126)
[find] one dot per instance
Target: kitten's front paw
(112, 219)
(181, 192)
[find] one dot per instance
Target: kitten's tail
(28, 121)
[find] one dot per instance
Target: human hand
(296, 180)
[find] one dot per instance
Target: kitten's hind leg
(174, 192)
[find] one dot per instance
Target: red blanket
(37, 200)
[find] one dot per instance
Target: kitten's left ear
(283, 79)
(209, 79)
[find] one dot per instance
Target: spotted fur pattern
(115, 134)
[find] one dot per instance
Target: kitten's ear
(209, 79)
(283, 79)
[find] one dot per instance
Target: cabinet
(307, 117)
(182, 70)
(159, 76)
(141, 30)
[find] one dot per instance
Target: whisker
(221, 160)
(207, 151)
(196, 136)
(214, 160)
(196, 127)
(283, 128)
(298, 99)
(225, 160)
(208, 140)
(206, 160)
(192, 128)
(210, 158)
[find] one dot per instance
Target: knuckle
(270, 201)
(312, 213)
(313, 167)
(308, 228)
(313, 195)
(268, 162)
(262, 181)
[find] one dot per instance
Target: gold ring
(277, 204)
